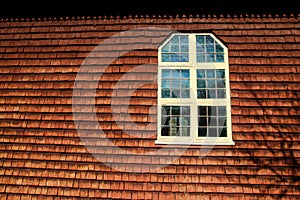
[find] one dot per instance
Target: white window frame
(193, 102)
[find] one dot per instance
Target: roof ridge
(141, 16)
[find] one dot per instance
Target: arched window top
(176, 49)
(208, 49)
(192, 48)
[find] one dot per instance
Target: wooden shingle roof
(42, 156)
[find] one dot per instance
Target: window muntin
(211, 83)
(175, 83)
(175, 121)
(212, 121)
(208, 50)
(176, 50)
(205, 87)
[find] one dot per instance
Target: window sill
(194, 143)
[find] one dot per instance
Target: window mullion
(193, 96)
(193, 82)
(192, 50)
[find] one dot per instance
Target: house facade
(90, 108)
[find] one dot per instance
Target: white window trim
(193, 139)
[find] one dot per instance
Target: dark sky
(44, 8)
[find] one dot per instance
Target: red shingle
(45, 156)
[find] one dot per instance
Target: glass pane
(224, 132)
(220, 83)
(210, 110)
(185, 84)
(174, 121)
(221, 121)
(165, 110)
(210, 73)
(221, 110)
(185, 93)
(165, 131)
(165, 93)
(200, 73)
(165, 120)
(183, 39)
(200, 58)
(212, 132)
(166, 73)
(184, 48)
(185, 121)
(209, 40)
(211, 94)
(174, 57)
(213, 111)
(176, 73)
(175, 110)
(221, 94)
(185, 110)
(175, 48)
(166, 48)
(211, 83)
(184, 57)
(212, 121)
(165, 57)
(185, 131)
(175, 84)
(200, 48)
(220, 73)
(210, 48)
(220, 57)
(202, 110)
(201, 94)
(201, 84)
(174, 131)
(219, 48)
(185, 73)
(175, 39)
(165, 84)
(200, 39)
(202, 121)
(210, 57)
(202, 132)
(175, 93)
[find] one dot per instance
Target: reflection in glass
(201, 94)
(210, 73)
(220, 58)
(200, 57)
(185, 110)
(177, 122)
(185, 93)
(208, 50)
(185, 73)
(201, 84)
(175, 48)
(166, 73)
(209, 39)
(165, 57)
(175, 73)
(210, 58)
(219, 48)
